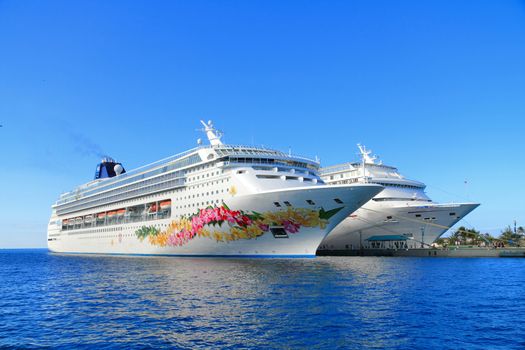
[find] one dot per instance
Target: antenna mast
(365, 154)
(214, 135)
(365, 159)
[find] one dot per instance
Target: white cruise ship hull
(420, 224)
(294, 229)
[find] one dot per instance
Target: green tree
(465, 235)
(508, 235)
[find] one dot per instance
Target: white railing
(123, 180)
(337, 168)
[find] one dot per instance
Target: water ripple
(65, 301)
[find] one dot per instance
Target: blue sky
(436, 88)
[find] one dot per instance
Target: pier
(451, 252)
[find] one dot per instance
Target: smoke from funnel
(86, 147)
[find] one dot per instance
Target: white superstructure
(218, 200)
(400, 216)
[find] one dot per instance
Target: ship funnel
(107, 168)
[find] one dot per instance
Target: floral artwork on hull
(224, 225)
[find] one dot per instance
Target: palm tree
(508, 235)
(465, 235)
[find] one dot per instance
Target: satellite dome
(118, 169)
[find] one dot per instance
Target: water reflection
(61, 300)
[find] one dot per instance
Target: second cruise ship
(213, 200)
(401, 216)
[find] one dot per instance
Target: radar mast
(365, 155)
(214, 135)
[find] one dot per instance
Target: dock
(451, 252)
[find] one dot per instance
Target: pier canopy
(387, 238)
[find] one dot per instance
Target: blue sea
(73, 301)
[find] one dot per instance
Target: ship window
(418, 215)
(311, 202)
(277, 204)
(389, 218)
(279, 232)
(337, 200)
(268, 177)
(452, 214)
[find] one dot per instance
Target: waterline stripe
(251, 256)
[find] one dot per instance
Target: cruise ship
(213, 200)
(401, 216)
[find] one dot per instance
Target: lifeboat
(153, 208)
(101, 215)
(111, 214)
(121, 212)
(88, 218)
(64, 222)
(165, 205)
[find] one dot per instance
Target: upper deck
(243, 154)
(367, 171)
(170, 173)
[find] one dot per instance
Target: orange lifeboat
(101, 215)
(111, 214)
(165, 205)
(153, 208)
(121, 212)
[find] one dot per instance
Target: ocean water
(73, 301)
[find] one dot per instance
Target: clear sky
(436, 88)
